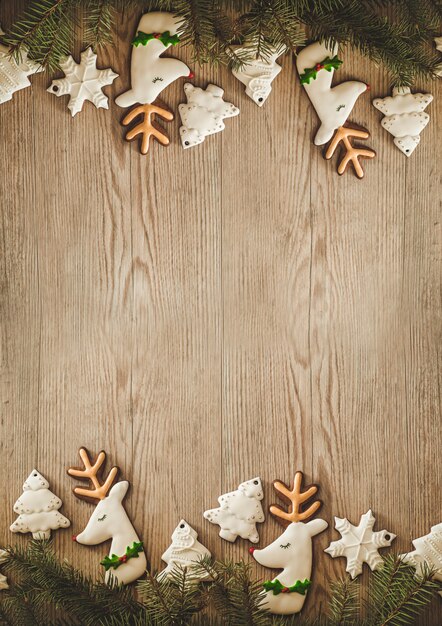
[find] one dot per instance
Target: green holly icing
(276, 587)
(114, 561)
(166, 38)
(327, 64)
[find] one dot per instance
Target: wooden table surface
(212, 314)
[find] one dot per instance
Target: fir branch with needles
(43, 586)
(397, 34)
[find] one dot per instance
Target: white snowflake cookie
(239, 512)
(359, 544)
(203, 114)
(83, 81)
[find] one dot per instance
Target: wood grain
(212, 314)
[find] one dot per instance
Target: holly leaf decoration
(166, 38)
(114, 561)
(300, 586)
(328, 64)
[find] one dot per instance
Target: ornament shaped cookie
(83, 81)
(14, 75)
(126, 561)
(37, 509)
(291, 551)
(239, 512)
(427, 551)
(185, 550)
(203, 114)
(258, 74)
(3, 580)
(359, 544)
(316, 64)
(404, 117)
(150, 73)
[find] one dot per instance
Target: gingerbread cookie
(126, 561)
(185, 550)
(258, 73)
(37, 509)
(239, 512)
(291, 551)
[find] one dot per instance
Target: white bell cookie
(257, 74)
(185, 550)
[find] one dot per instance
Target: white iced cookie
(332, 104)
(427, 551)
(258, 74)
(14, 76)
(126, 561)
(239, 512)
(404, 117)
(37, 509)
(185, 550)
(203, 114)
(83, 81)
(438, 43)
(291, 551)
(3, 580)
(150, 73)
(359, 544)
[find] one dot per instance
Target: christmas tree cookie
(37, 509)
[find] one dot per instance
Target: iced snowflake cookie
(258, 73)
(404, 117)
(203, 114)
(185, 550)
(37, 509)
(239, 512)
(291, 551)
(427, 552)
(83, 81)
(126, 561)
(359, 544)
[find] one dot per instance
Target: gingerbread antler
(146, 127)
(92, 472)
(295, 498)
(351, 153)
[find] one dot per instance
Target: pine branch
(344, 604)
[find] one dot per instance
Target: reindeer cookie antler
(296, 498)
(93, 472)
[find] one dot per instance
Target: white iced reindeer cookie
(239, 512)
(203, 114)
(291, 551)
(404, 117)
(126, 561)
(316, 64)
(258, 73)
(150, 73)
(185, 551)
(37, 509)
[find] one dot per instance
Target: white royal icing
(14, 75)
(150, 73)
(185, 550)
(239, 512)
(427, 551)
(258, 74)
(404, 117)
(332, 104)
(203, 114)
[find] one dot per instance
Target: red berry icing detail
(123, 559)
(285, 589)
(156, 35)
